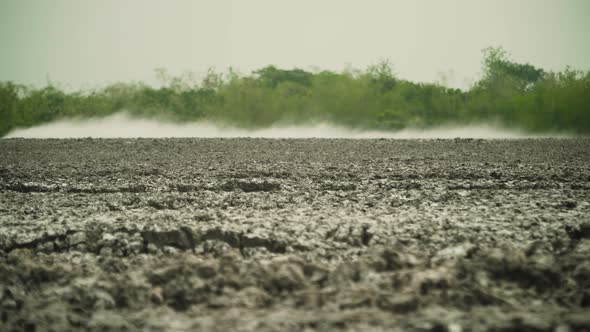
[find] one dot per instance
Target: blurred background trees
(509, 94)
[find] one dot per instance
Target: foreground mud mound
(295, 235)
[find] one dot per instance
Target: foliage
(511, 94)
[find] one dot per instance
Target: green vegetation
(509, 94)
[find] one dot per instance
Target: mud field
(294, 235)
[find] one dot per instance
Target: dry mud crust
(295, 235)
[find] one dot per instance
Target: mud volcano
(294, 235)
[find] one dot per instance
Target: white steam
(123, 126)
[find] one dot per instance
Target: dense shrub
(511, 94)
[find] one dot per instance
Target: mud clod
(179, 238)
(399, 303)
(579, 232)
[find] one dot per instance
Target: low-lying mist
(122, 125)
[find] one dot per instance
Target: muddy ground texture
(295, 235)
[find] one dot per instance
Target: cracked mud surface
(295, 235)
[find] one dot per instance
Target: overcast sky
(86, 44)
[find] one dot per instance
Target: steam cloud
(122, 126)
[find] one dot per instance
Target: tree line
(508, 94)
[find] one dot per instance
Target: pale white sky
(86, 44)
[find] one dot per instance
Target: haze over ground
(122, 126)
(88, 44)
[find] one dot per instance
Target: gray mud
(294, 235)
